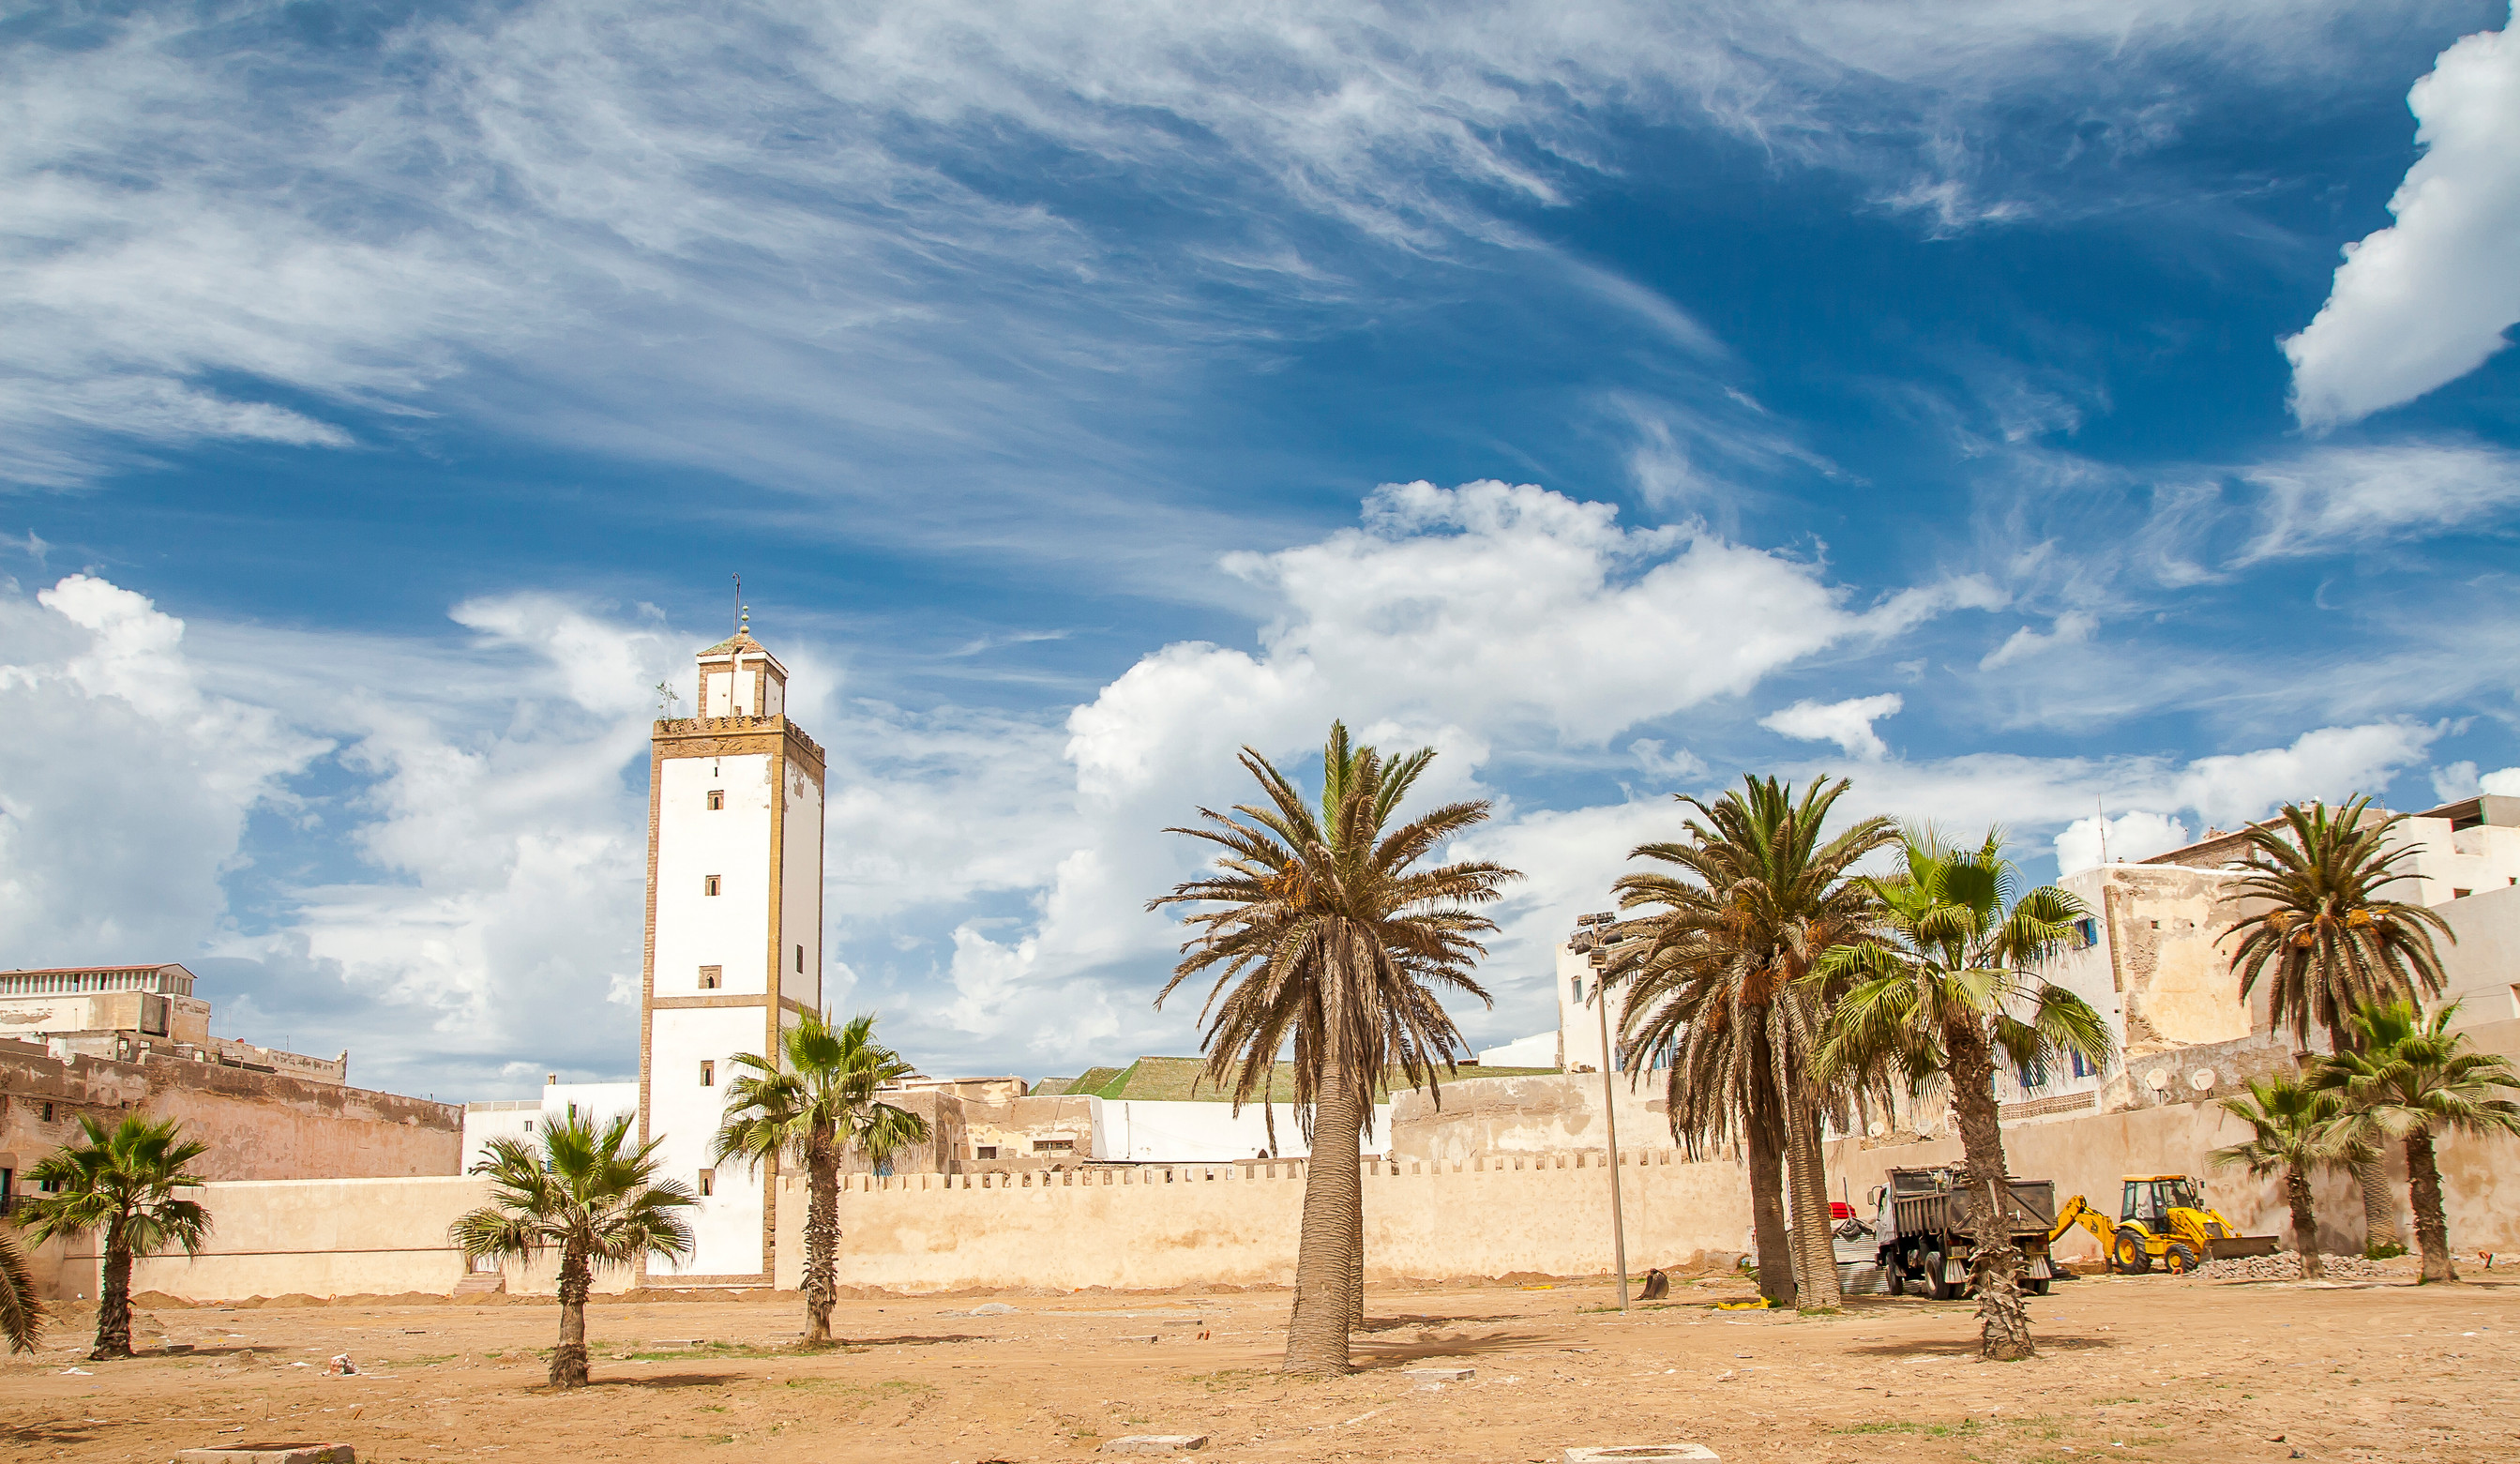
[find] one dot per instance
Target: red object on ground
(1840, 1209)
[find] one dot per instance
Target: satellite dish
(2201, 1080)
(2158, 1079)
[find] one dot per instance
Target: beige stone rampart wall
(1237, 1224)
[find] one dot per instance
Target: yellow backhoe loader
(2162, 1223)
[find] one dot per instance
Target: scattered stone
(1154, 1443)
(991, 1309)
(1441, 1374)
(1149, 1337)
(1641, 1452)
(2285, 1266)
(342, 1367)
(1657, 1285)
(270, 1453)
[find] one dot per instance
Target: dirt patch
(2146, 1368)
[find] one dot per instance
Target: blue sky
(1966, 399)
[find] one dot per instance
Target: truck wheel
(1896, 1268)
(2180, 1259)
(2129, 1254)
(1935, 1286)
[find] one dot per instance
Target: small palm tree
(2328, 945)
(1715, 973)
(1324, 933)
(2296, 1134)
(589, 1193)
(811, 1104)
(1953, 991)
(125, 1184)
(22, 1312)
(2415, 1078)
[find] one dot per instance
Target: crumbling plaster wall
(1528, 1115)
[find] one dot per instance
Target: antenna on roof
(2102, 811)
(739, 604)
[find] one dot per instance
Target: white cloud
(1848, 723)
(2338, 496)
(782, 221)
(2503, 785)
(2130, 837)
(127, 787)
(2072, 628)
(2426, 300)
(2452, 781)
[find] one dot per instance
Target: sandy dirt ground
(2137, 1368)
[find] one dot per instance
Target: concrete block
(1650, 1454)
(1154, 1443)
(270, 1453)
(1441, 1374)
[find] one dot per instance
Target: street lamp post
(1610, 1113)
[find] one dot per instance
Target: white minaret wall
(727, 969)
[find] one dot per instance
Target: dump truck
(1927, 1242)
(2162, 1220)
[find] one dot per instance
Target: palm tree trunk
(2379, 1206)
(1356, 1259)
(569, 1359)
(2305, 1222)
(2424, 1190)
(1769, 1234)
(2004, 1322)
(822, 1237)
(1327, 1249)
(1807, 1170)
(113, 1300)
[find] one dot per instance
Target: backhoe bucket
(2241, 1245)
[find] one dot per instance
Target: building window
(529, 1125)
(2032, 1074)
(2086, 933)
(48, 1113)
(709, 1073)
(708, 884)
(710, 976)
(1054, 1146)
(800, 961)
(708, 1182)
(2081, 1065)
(717, 798)
(984, 1151)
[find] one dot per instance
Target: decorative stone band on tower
(734, 946)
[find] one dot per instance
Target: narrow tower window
(708, 884)
(708, 1181)
(710, 976)
(709, 1073)
(800, 961)
(717, 798)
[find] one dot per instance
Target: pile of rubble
(2285, 1266)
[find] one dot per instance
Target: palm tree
(2327, 943)
(1953, 991)
(2416, 1078)
(22, 1312)
(811, 1104)
(125, 1184)
(2296, 1132)
(589, 1193)
(1321, 932)
(1717, 975)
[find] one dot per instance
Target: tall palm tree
(126, 1184)
(811, 1104)
(591, 1194)
(2295, 1132)
(1323, 932)
(2327, 943)
(2417, 1079)
(22, 1312)
(1955, 989)
(1716, 973)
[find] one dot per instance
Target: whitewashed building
(734, 949)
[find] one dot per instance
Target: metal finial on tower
(739, 604)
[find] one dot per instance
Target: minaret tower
(735, 935)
